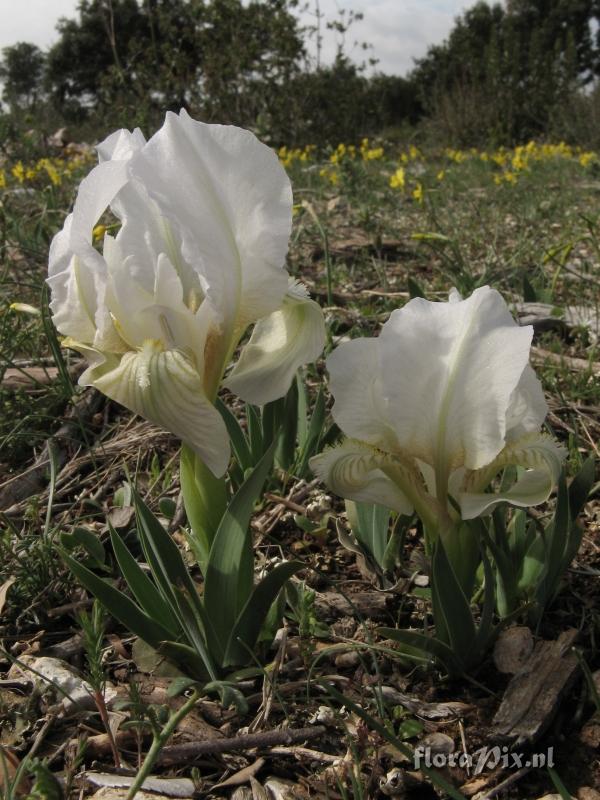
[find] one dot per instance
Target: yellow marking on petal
(149, 348)
(194, 300)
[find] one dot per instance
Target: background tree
(22, 73)
(503, 73)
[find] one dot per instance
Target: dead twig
(182, 753)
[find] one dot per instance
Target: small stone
(323, 716)
(512, 649)
(587, 793)
(438, 743)
(347, 660)
(590, 733)
(392, 784)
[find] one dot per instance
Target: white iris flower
(205, 216)
(435, 408)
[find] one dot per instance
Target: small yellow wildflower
(2, 179)
(505, 177)
(418, 193)
(456, 155)
(373, 154)
(18, 171)
(585, 159)
(331, 175)
(413, 152)
(398, 179)
(51, 171)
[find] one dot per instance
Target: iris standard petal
(231, 200)
(360, 408)
(449, 371)
(280, 343)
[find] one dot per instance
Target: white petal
(360, 408)
(542, 457)
(231, 200)
(449, 370)
(139, 313)
(280, 343)
(72, 288)
(353, 470)
(77, 273)
(528, 407)
(120, 145)
(165, 388)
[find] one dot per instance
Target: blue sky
(399, 30)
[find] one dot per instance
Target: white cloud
(398, 30)
(32, 20)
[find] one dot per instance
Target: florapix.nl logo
(482, 759)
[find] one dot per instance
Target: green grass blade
(255, 433)
(453, 605)
(162, 554)
(302, 415)
(581, 486)
(145, 592)
(239, 444)
(372, 523)
(313, 435)
(249, 623)
(229, 572)
(427, 645)
(194, 631)
(118, 604)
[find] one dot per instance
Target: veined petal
(541, 457)
(449, 371)
(231, 201)
(353, 470)
(360, 408)
(280, 343)
(164, 387)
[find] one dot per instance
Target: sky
(399, 30)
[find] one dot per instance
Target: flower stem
(158, 743)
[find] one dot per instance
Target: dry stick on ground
(576, 364)
(182, 753)
(305, 753)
